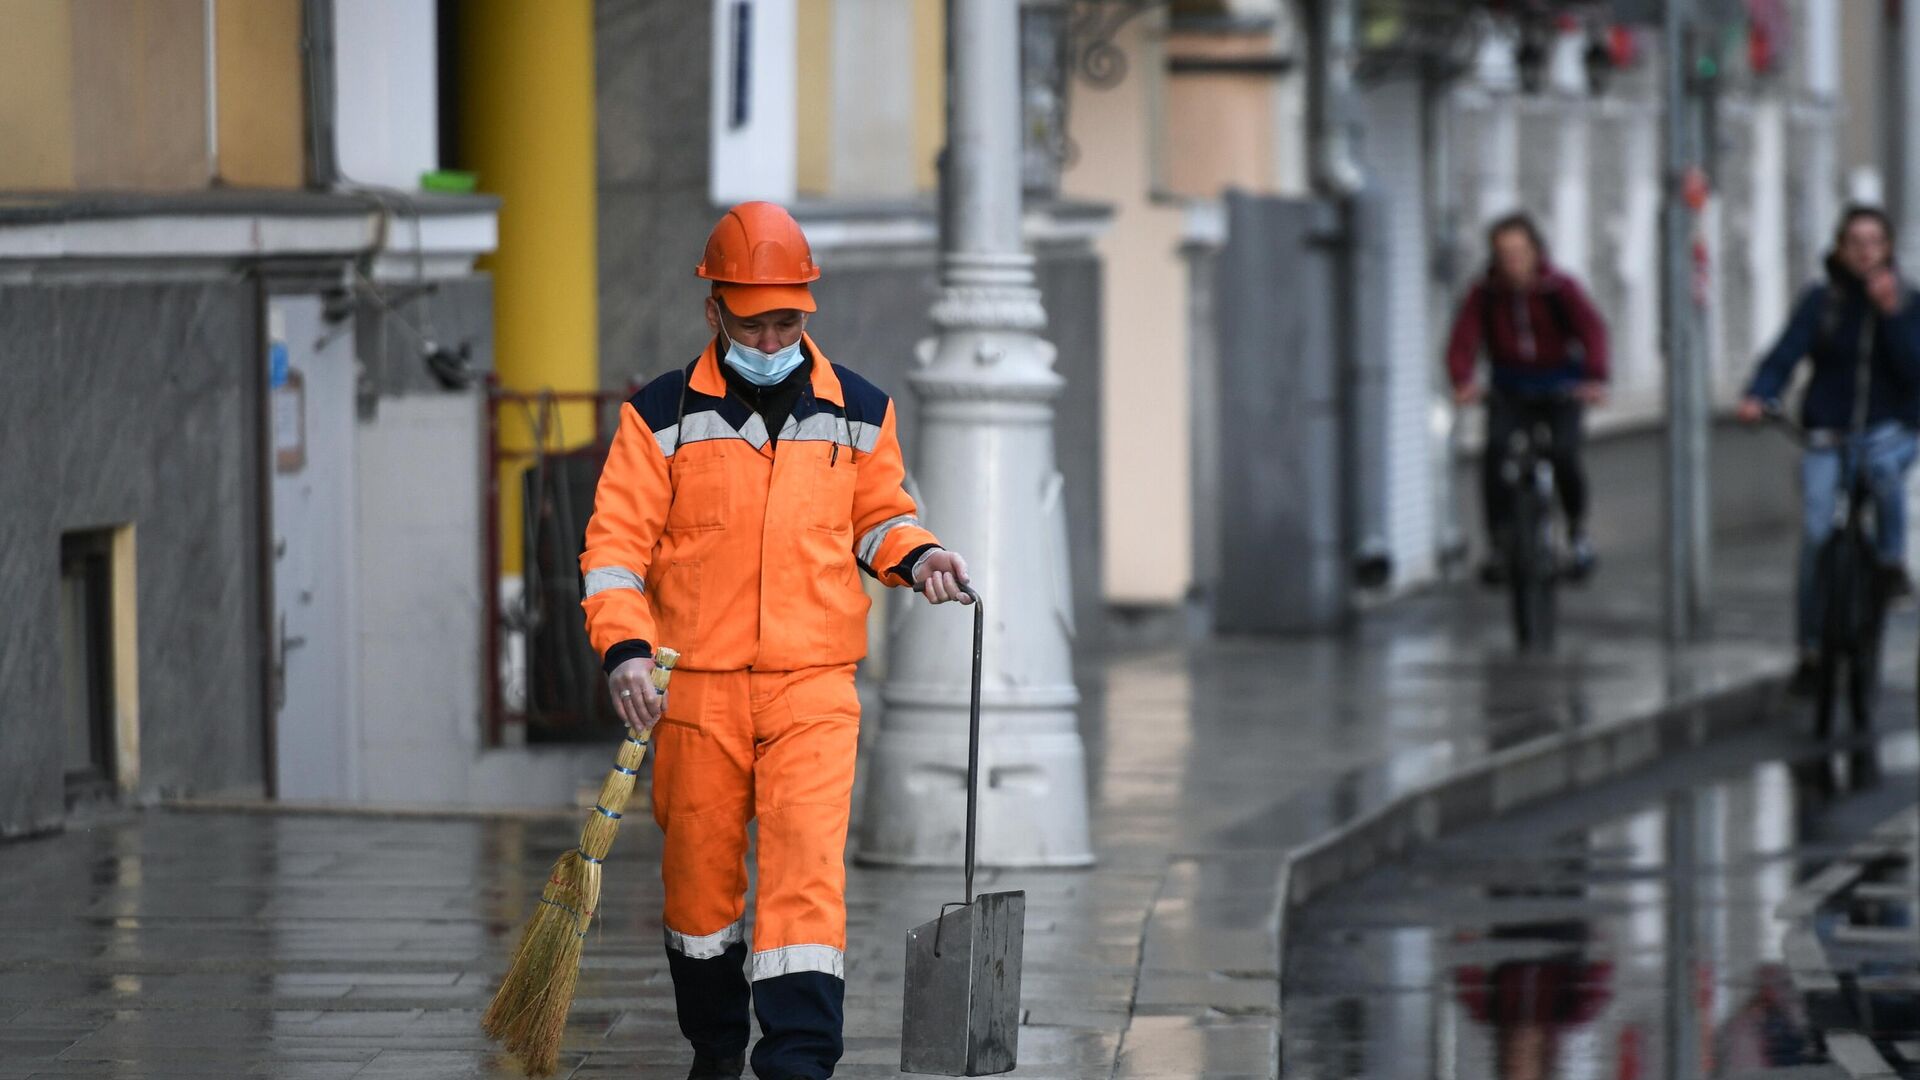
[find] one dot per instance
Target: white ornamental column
(989, 488)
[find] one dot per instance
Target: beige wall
(1219, 127)
(258, 88)
(866, 123)
(112, 95)
(813, 142)
(1145, 490)
(1863, 32)
(140, 94)
(929, 90)
(36, 98)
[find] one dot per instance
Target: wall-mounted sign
(290, 422)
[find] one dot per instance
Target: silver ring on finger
(626, 693)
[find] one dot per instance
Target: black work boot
(717, 1068)
(712, 998)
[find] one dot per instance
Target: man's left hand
(939, 577)
(1592, 392)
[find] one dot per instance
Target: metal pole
(990, 489)
(1686, 480)
(1816, 126)
(1904, 154)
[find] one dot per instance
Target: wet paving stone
(164, 944)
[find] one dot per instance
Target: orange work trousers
(779, 747)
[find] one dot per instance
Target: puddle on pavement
(1595, 941)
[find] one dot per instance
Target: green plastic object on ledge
(449, 181)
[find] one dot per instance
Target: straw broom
(529, 1012)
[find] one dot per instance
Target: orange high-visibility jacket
(741, 551)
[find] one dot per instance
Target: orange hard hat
(759, 260)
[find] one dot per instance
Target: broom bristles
(529, 1013)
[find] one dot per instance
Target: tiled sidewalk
(197, 944)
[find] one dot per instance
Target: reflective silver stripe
(707, 946)
(795, 958)
(826, 427)
(820, 427)
(755, 431)
(705, 426)
(669, 440)
(869, 545)
(600, 579)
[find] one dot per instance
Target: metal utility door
(310, 387)
(1277, 432)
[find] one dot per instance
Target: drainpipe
(1362, 364)
(1330, 99)
(317, 55)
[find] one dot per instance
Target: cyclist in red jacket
(1546, 347)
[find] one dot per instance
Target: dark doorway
(86, 653)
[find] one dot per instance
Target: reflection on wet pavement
(1602, 936)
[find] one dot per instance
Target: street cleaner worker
(1861, 330)
(742, 498)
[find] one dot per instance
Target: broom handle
(973, 730)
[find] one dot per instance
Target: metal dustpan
(961, 1014)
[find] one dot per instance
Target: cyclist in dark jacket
(1860, 328)
(1547, 348)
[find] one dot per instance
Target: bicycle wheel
(1849, 631)
(1866, 619)
(1530, 572)
(1826, 690)
(1863, 682)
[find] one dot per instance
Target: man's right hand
(1751, 410)
(1468, 394)
(634, 697)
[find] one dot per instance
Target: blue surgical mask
(759, 368)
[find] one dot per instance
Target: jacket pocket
(676, 605)
(843, 608)
(701, 495)
(831, 507)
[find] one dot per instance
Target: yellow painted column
(527, 128)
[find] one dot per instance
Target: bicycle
(1532, 559)
(1852, 602)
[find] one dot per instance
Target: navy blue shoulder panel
(865, 401)
(658, 402)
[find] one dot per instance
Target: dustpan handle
(973, 730)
